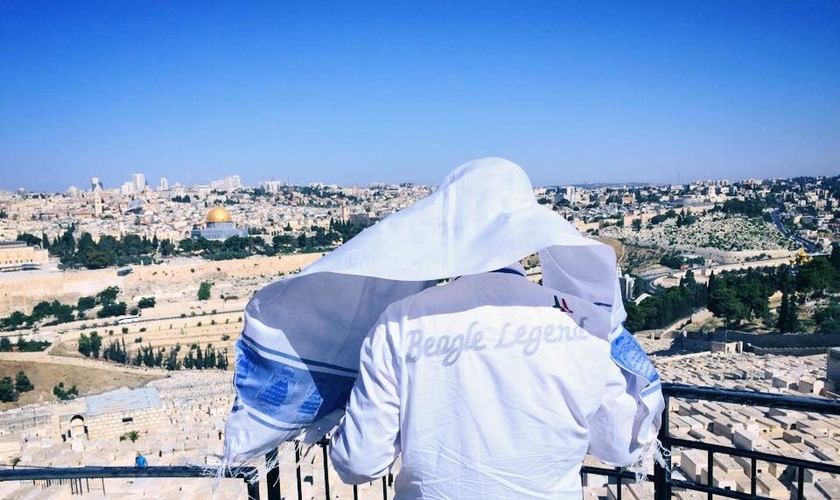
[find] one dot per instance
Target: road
(808, 245)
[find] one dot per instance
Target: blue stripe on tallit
(506, 270)
(295, 358)
(272, 426)
(287, 393)
(627, 352)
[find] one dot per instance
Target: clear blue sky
(341, 93)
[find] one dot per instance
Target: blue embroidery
(287, 393)
(276, 389)
(310, 407)
(627, 352)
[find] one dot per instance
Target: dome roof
(218, 214)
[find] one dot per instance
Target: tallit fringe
(651, 452)
(220, 471)
(260, 465)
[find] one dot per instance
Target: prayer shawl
(298, 354)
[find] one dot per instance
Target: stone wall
(22, 290)
(781, 340)
(114, 425)
(786, 351)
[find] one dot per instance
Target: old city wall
(22, 290)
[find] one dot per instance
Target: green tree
(222, 361)
(5, 344)
(167, 248)
(835, 255)
(828, 318)
(22, 383)
(95, 344)
(728, 306)
(64, 394)
(788, 315)
(204, 290)
(29, 239)
(816, 277)
(31, 345)
(130, 436)
(112, 309)
(84, 345)
(86, 303)
(146, 302)
(96, 258)
(16, 320)
(108, 295)
(7, 390)
(172, 362)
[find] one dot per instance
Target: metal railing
(74, 475)
(662, 478)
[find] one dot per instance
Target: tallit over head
(298, 355)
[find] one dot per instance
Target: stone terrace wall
(780, 340)
(114, 425)
(787, 351)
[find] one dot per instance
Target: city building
(139, 181)
(218, 226)
(127, 189)
(17, 256)
(272, 186)
(231, 183)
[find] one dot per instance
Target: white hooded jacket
(489, 389)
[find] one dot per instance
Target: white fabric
(488, 391)
(298, 355)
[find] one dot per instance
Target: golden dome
(218, 214)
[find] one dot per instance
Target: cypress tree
(784, 313)
(835, 255)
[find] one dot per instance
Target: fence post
(662, 475)
(253, 489)
(297, 471)
(324, 443)
(272, 477)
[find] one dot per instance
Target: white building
(231, 183)
(139, 181)
(272, 186)
(127, 189)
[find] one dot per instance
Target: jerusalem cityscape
(420, 250)
(113, 298)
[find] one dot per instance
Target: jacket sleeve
(367, 442)
(623, 431)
